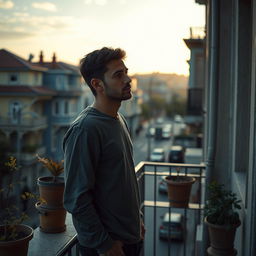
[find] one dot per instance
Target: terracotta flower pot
(50, 191)
(222, 239)
(179, 188)
(19, 246)
(52, 220)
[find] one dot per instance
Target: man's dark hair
(94, 64)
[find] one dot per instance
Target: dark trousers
(129, 250)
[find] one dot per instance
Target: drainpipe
(212, 98)
(213, 75)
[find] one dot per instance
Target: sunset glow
(151, 31)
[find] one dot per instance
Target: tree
(177, 106)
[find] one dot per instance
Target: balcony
(25, 124)
(148, 174)
(27, 158)
(63, 120)
(197, 33)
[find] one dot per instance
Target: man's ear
(97, 84)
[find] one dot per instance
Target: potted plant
(51, 189)
(14, 236)
(179, 188)
(222, 219)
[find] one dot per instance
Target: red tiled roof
(9, 60)
(25, 90)
(60, 66)
(50, 65)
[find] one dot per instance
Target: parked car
(159, 120)
(158, 133)
(166, 132)
(158, 155)
(162, 186)
(151, 132)
(176, 154)
(172, 226)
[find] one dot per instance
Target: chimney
(41, 57)
(54, 58)
(30, 57)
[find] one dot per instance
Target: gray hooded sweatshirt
(101, 190)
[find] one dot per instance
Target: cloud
(46, 6)
(20, 14)
(122, 1)
(87, 1)
(9, 35)
(6, 4)
(97, 2)
(21, 25)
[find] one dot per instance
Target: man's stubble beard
(117, 98)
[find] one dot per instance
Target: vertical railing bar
(169, 228)
(77, 250)
(185, 236)
(200, 199)
(154, 246)
(143, 189)
(185, 242)
(195, 226)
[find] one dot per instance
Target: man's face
(117, 82)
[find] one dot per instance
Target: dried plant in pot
(51, 189)
(179, 188)
(222, 219)
(14, 236)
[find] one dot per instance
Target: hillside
(177, 83)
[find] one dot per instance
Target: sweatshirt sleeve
(81, 156)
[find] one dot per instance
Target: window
(242, 93)
(15, 112)
(36, 78)
(243, 89)
(66, 107)
(13, 78)
(56, 108)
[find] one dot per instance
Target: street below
(154, 246)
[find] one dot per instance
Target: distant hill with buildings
(175, 83)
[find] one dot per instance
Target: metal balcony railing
(25, 123)
(197, 33)
(148, 174)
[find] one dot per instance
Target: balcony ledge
(45, 244)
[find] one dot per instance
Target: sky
(150, 31)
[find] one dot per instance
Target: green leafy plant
(56, 168)
(11, 215)
(221, 206)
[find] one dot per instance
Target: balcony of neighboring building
(64, 111)
(149, 176)
(28, 154)
(197, 38)
(63, 120)
(23, 123)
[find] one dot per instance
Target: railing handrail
(71, 243)
(162, 164)
(24, 121)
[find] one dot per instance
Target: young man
(101, 190)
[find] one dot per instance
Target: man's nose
(128, 79)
